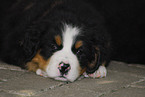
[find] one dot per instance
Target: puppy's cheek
(52, 67)
(74, 74)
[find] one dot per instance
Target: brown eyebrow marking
(78, 44)
(58, 40)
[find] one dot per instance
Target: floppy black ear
(30, 44)
(19, 48)
(33, 36)
(95, 63)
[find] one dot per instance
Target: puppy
(60, 39)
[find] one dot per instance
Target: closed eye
(79, 52)
(53, 46)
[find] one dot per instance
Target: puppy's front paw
(101, 72)
(41, 73)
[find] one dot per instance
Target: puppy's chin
(61, 78)
(65, 79)
(70, 77)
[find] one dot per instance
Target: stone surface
(123, 80)
(129, 92)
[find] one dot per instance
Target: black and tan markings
(38, 62)
(78, 44)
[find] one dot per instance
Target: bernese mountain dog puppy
(60, 39)
(63, 39)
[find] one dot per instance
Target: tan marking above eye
(78, 44)
(58, 40)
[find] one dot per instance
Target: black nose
(64, 68)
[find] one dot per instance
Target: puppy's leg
(38, 65)
(101, 72)
(41, 73)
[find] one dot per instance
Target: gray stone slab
(9, 74)
(129, 92)
(4, 66)
(5, 94)
(70, 90)
(139, 84)
(134, 69)
(29, 84)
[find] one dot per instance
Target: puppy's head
(69, 53)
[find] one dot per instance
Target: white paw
(101, 72)
(41, 73)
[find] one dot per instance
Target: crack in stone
(13, 69)
(124, 87)
(32, 92)
(133, 84)
(50, 88)
(3, 80)
(21, 92)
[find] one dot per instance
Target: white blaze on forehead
(69, 35)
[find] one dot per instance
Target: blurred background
(125, 20)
